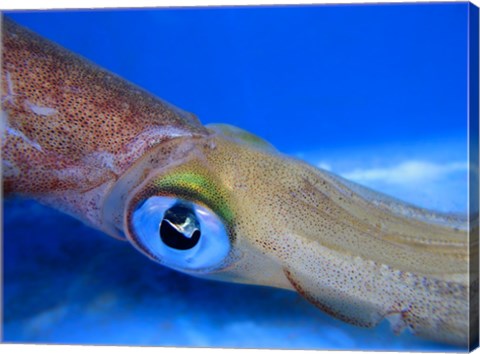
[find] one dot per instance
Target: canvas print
(297, 177)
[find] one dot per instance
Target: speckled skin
(86, 142)
(73, 126)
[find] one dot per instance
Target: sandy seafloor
(375, 94)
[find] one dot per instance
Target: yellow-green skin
(90, 144)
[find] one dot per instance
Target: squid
(220, 203)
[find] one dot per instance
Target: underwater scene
(376, 94)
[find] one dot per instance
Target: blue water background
(375, 93)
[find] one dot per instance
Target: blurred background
(375, 93)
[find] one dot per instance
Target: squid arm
(84, 141)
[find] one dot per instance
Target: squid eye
(179, 233)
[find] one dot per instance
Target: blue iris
(180, 234)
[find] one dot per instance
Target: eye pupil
(179, 228)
